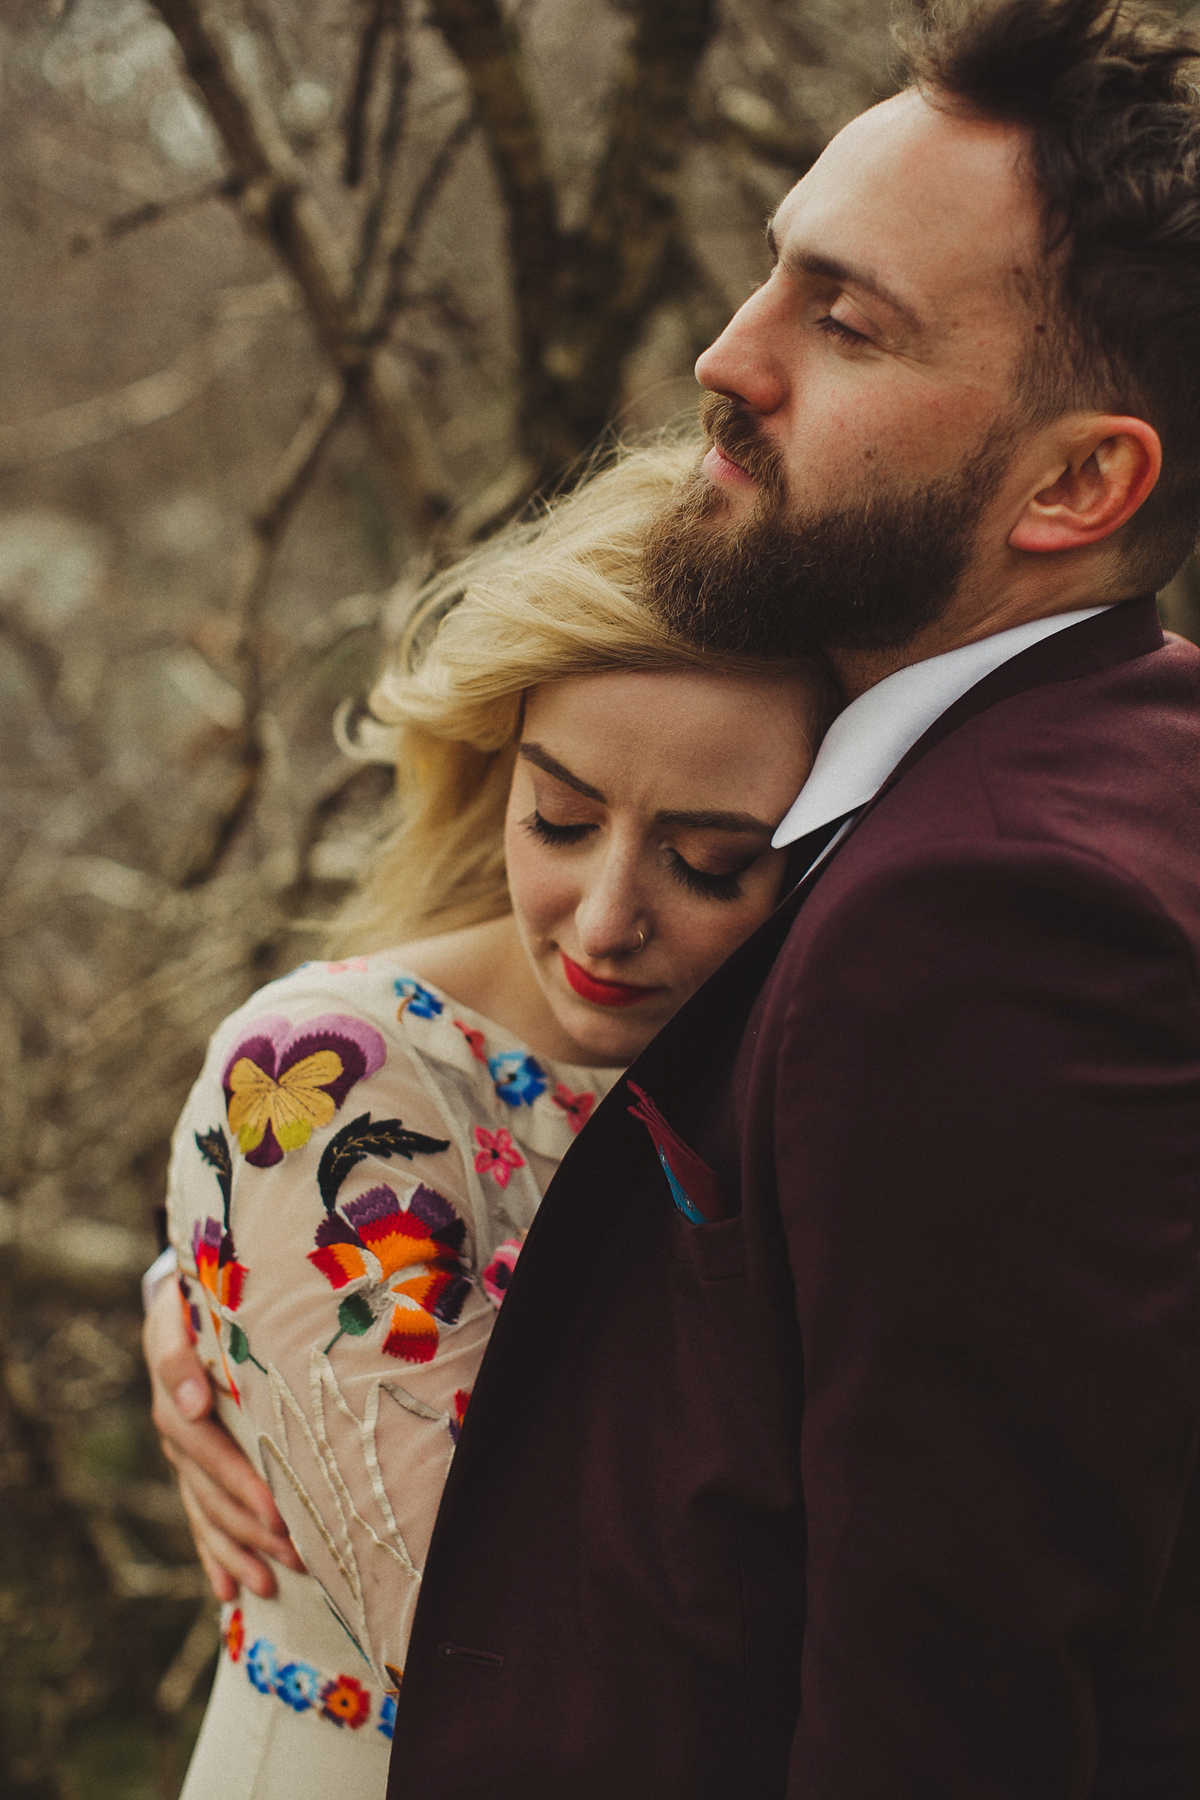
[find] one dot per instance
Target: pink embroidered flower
(474, 1039)
(498, 1274)
(357, 965)
(346, 1702)
(576, 1106)
(283, 1082)
(497, 1155)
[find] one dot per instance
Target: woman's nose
(746, 361)
(611, 918)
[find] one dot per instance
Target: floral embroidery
(359, 965)
(400, 1260)
(297, 1684)
(474, 1039)
(346, 1702)
(576, 1106)
(262, 1665)
(221, 1275)
(341, 1699)
(518, 1078)
(498, 1274)
(417, 999)
(282, 1083)
(191, 1312)
(461, 1397)
(497, 1155)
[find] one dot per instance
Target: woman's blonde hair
(547, 598)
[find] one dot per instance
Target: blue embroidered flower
(298, 1684)
(518, 1078)
(261, 1666)
(387, 1716)
(419, 1001)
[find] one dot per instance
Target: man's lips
(604, 993)
(719, 467)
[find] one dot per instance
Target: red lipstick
(603, 993)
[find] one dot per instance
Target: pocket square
(694, 1188)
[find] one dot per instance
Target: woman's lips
(604, 993)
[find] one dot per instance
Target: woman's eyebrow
(543, 760)
(716, 821)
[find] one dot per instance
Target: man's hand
(233, 1519)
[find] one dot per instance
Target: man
(838, 1436)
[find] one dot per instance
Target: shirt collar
(873, 733)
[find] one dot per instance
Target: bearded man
(881, 1480)
(838, 1436)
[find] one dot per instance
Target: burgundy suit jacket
(881, 1479)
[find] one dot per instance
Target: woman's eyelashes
(701, 882)
(697, 881)
(555, 835)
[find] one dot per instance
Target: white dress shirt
(868, 739)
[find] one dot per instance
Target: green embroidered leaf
(361, 1138)
(354, 1315)
(239, 1345)
(214, 1148)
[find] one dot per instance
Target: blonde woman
(585, 811)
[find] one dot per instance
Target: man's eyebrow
(716, 821)
(543, 760)
(809, 262)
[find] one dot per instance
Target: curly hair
(1107, 92)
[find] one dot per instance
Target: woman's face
(638, 839)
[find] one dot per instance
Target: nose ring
(641, 943)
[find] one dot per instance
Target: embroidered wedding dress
(350, 1184)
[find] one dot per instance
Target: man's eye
(835, 329)
(557, 835)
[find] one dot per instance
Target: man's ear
(1100, 469)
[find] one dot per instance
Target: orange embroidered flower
(497, 1155)
(403, 1263)
(235, 1634)
(346, 1702)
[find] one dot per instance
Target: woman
(586, 808)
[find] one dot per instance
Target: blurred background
(298, 298)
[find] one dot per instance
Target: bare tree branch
(141, 402)
(481, 38)
(278, 200)
(380, 14)
(151, 212)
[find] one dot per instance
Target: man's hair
(1106, 91)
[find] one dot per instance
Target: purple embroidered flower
(261, 1666)
(298, 1684)
(282, 1081)
(518, 1078)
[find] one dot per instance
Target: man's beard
(869, 574)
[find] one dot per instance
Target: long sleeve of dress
(350, 1181)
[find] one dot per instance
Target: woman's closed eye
(556, 835)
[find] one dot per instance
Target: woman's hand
(231, 1515)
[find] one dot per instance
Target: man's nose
(746, 362)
